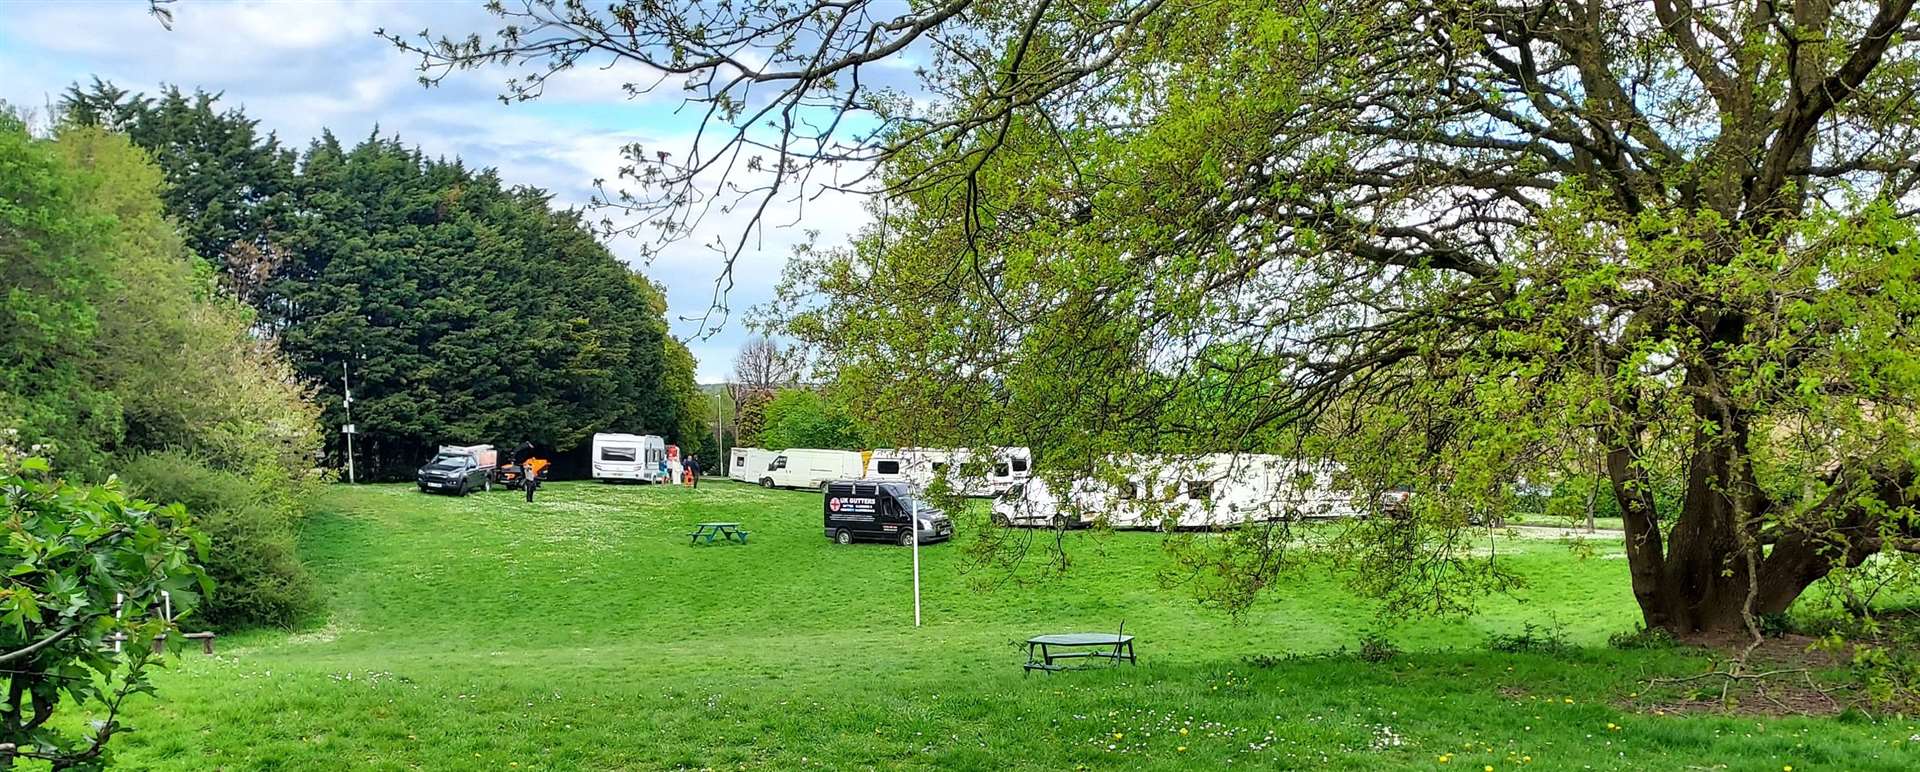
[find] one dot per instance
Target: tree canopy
(463, 309)
(1455, 245)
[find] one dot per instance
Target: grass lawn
(582, 632)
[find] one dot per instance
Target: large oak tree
(1456, 244)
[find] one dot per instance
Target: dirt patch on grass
(1783, 676)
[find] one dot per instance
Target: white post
(347, 388)
(915, 525)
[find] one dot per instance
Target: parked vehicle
(1032, 503)
(749, 464)
(812, 468)
(514, 476)
(635, 457)
(1210, 491)
(1011, 466)
(456, 473)
(966, 472)
(858, 510)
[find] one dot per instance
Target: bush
(1375, 647)
(1530, 640)
(252, 558)
(1643, 638)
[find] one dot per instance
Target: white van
(635, 457)
(749, 464)
(810, 468)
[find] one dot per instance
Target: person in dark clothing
(693, 471)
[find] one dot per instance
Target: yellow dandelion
(1526, 759)
(1182, 749)
(1183, 731)
(1119, 736)
(1488, 768)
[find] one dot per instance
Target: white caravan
(634, 457)
(749, 464)
(1212, 491)
(968, 474)
(811, 468)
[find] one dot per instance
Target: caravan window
(887, 467)
(1019, 465)
(1199, 490)
(619, 454)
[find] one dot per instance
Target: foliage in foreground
(87, 563)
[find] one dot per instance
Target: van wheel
(767, 483)
(1000, 519)
(843, 536)
(1060, 522)
(906, 538)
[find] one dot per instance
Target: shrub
(1643, 638)
(1531, 639)
(76, 553)
(250, 529)
(1375, 647)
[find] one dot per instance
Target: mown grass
(582, 632)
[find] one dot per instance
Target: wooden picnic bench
(1113, 647)
(720, 531)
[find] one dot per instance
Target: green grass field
(582, 632)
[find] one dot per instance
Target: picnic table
(721, 531)
(1114, 647)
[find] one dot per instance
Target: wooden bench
(205, 639)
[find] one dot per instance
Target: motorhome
(967, 473)
(634, 457)
(1211, 491)
(1011, 466)
(862, 510)
(812, 468)
(749, 464)
(1033, 503)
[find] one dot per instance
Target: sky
(299, 66)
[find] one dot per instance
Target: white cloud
(300, 67)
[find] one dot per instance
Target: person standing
(693, 471)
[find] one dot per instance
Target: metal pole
(346, 386)
(915, 525)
